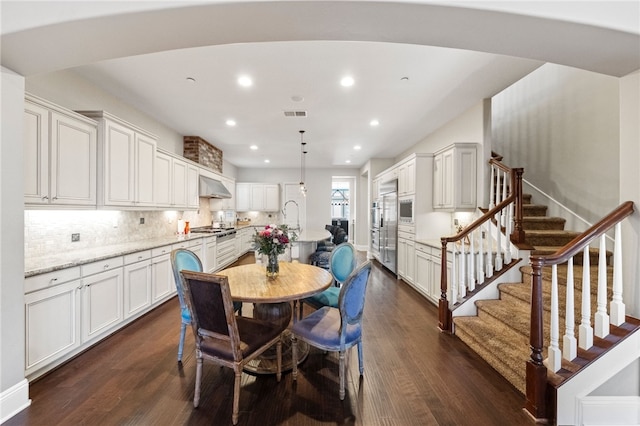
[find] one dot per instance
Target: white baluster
(569, 343)
(462, 288)
(585, 334)
(454, 280)
(489, 269)
(601, 328)
(505, 178)
(617, 307)
(554, 357)
(481, 250)
(471, 281)
(498, 242)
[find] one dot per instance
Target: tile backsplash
(50, 231)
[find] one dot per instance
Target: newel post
(536, 371)
(518, 232)
(444, 315)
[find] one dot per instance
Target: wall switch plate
(75, 238)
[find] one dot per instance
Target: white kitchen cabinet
(406, 256)
(193, 179)
(126, 160)
(162, 186)
(428, 271)
(102, 300)
(176, 182)
(162, 283)
(407, 178)
(59, 154)
(454, 178)
(137, 283)
(209, 256)
(52, 323)
(257, 197)
(179, 178)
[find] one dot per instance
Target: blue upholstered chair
(182, 259)
(336, 329)
(342, 262)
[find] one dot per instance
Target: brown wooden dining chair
(221, 336)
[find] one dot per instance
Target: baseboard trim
(14, 400)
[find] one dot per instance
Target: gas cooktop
(211, 230)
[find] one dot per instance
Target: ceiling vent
(295, 113)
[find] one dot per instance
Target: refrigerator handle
(381, 222)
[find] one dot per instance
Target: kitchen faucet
(284, 213)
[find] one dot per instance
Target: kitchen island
(307, 242)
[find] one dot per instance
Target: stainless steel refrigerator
(389, 224)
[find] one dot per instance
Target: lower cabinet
(210, 254)
(428, 263)
(162, 284)
(102, 303)
(137, 284)
(406, 257)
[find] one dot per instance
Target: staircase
(500, 331)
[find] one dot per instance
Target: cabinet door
(257, 197)
(73, 161)
(410, 269)
(193, 176)
(179, 183)
(162, 185)
(424, 272)
(437, 181)
(137, 288)
(102, 303)
(466, 178)
(448, 181)
(271, 198)
(210, 255)
(35, 143)
(162, 284)
(144, 170)
(402, 257)
(52, 324)
(243, 197)
(119, 164)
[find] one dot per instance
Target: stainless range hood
(212, 188)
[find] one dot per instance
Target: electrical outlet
(75, 238)
(142, 221)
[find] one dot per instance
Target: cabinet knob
(53, 280)
(106, 266)
(46, 197)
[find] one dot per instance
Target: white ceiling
(378, 48)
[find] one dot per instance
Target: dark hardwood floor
(414, 375)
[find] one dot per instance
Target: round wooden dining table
(272, 302)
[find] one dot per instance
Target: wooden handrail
(516, 237)
(536, 371)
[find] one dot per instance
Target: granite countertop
(57, 261)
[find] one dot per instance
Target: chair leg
(183, 331)
(294, 356)
(236, 396)
(196, 396)
(341, 375)
(360, 358)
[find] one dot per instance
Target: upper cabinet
(454, 177)
(257, 197)
(126, 162)
(60, 149)
(176, 182)
(407, 178)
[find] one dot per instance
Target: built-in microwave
(405, 211)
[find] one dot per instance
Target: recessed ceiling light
(191, 79)
(231, 122)
(297, 98)
(374, 122)
(245, 81)
(347, 81)
(266, 160)
(253, 147)
(357, 147)
(404, 79)
(347, 161)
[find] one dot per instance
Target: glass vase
(273, 268)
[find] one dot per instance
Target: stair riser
(534, 210)
(547, 225)
(557, 240)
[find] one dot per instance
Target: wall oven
(405, 210)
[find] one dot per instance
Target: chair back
(342, 261)
(183, 259)
(212, 315)
(352, 293)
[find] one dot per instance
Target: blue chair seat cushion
(322, 330)
(329, 297)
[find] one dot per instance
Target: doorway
(343, 207)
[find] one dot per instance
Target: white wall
(561, 125)
(14, 389)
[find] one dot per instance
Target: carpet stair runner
(500, 331)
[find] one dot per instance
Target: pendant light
(303, 152)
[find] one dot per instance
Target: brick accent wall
(202, 152)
